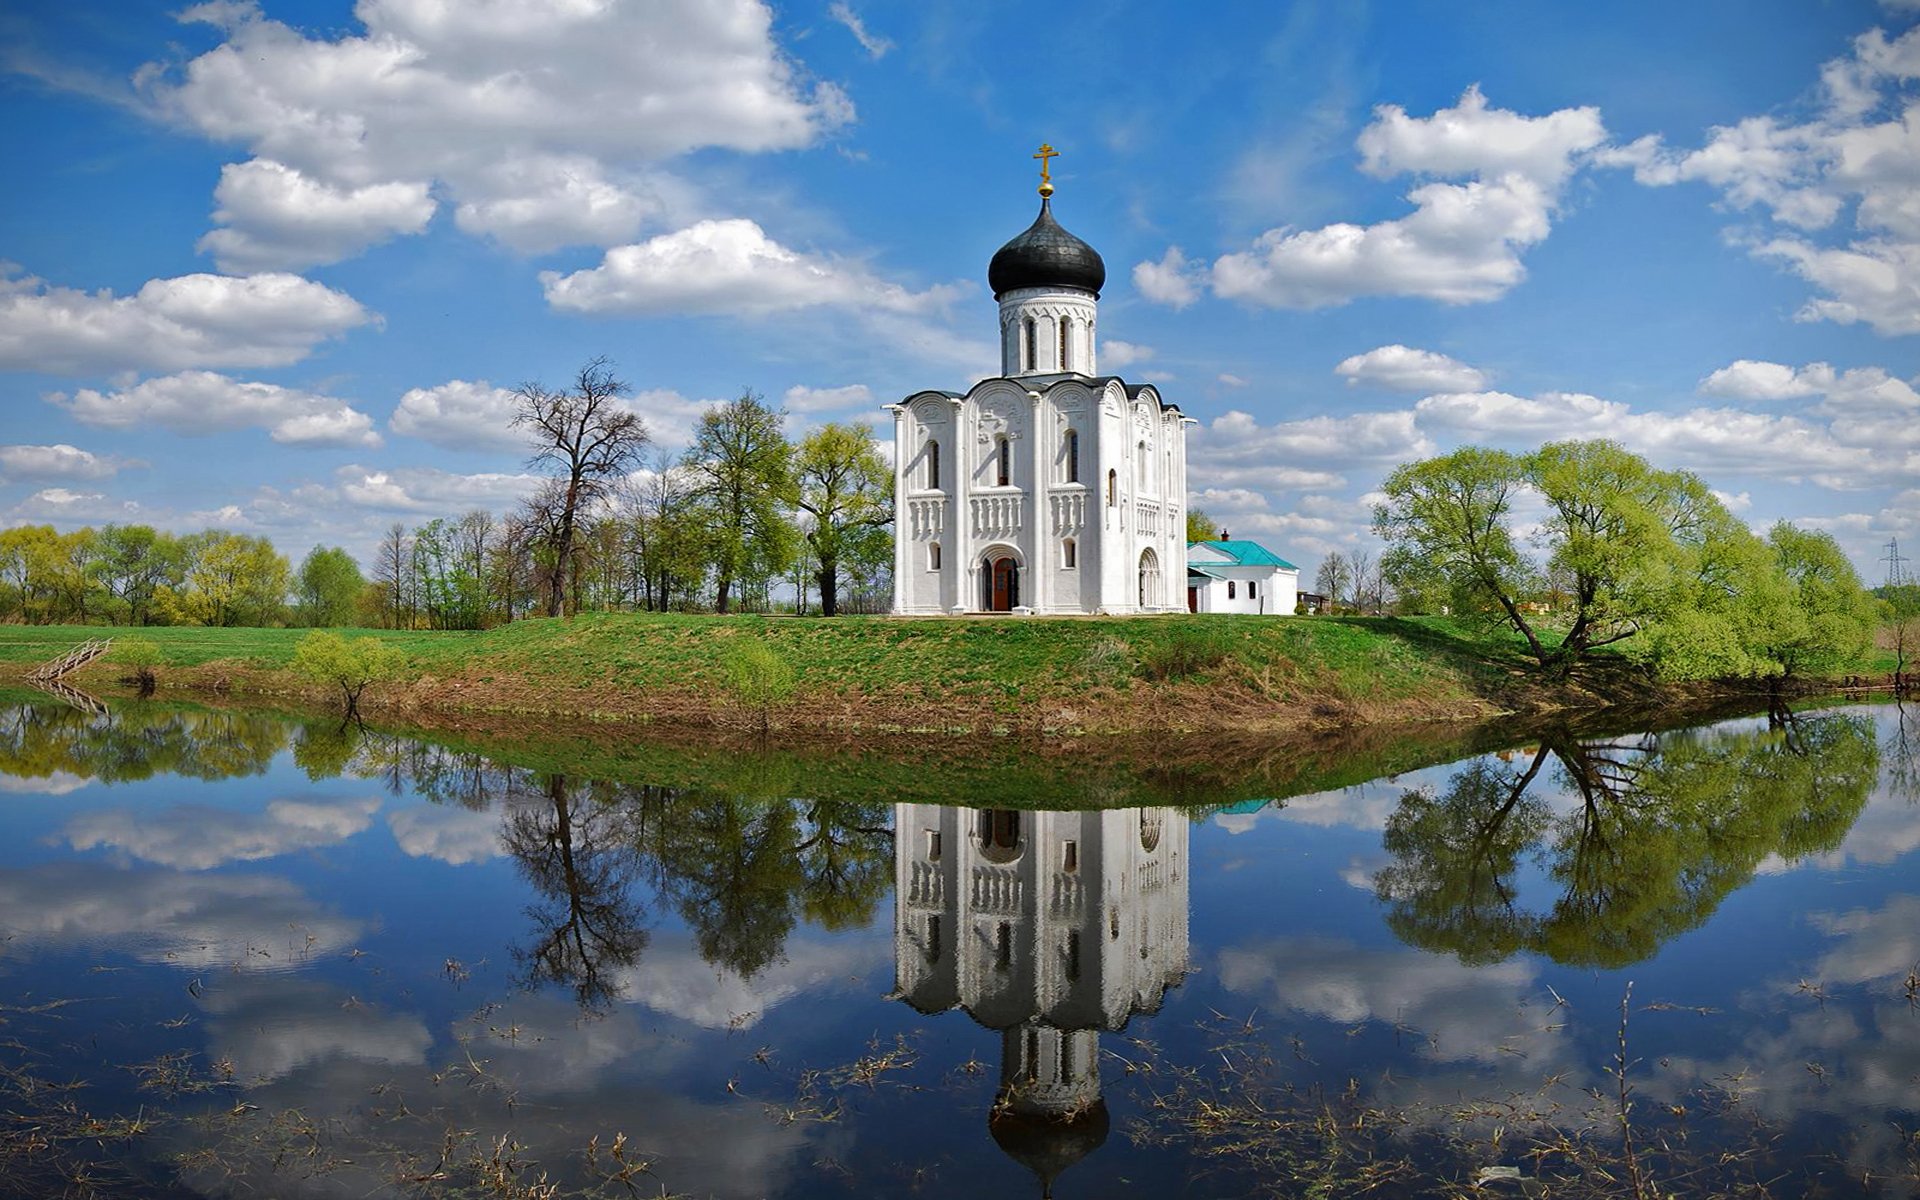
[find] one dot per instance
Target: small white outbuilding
(1226, 576)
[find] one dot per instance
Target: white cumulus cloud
(727, 267)
(545, 124)
(275, 218)
(1859, 149)
(265, 320)
(1405, 369)
(202, 402)
(59, 461)
(460, 415)
(1463, 241)
(1174, 281)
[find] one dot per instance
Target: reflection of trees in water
(1901, 753)
(582, 858)
(740, 870)
(134, 743)
(1663, 828)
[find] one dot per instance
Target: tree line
(616, 524)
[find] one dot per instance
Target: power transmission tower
(1896, 575)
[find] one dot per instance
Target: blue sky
(276, 267)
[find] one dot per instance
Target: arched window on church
(933, 557)
(1066, 362)
(1003, 459)
(1145, 464)
(1032, 344)
(1069, 554)
(933, 464)
(1113, 488)
(1073, 456)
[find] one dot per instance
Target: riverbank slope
(1133, 675)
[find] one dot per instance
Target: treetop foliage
(1583, 544)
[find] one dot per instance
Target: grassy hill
(989, 674)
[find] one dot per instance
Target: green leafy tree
(1626, 551)
(1832, 618)
(846, 491)
(328, 587)
(758, 679)
(228, 579)
(131, 562)
(1899, 633)
(351, 665)
(742, 468)
(1201, 527)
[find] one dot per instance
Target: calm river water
(243, 956)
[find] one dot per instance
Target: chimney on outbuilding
(1225, 536)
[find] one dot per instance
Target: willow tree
(1630, 548)
(592, 440)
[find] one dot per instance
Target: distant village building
(1048, 488)
(1226, 576)
(1047, 927)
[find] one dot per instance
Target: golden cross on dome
(1046, 179)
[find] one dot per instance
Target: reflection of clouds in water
(548, 1045)
(1868, 1064)
(1468, 1013)
(674, 980)
(1875, 945)
(1867, 1054)
(270, 1027)
(56, 783)
(196, 837)
(604, 1067)
(1363, 806)
(454, 835)
(191, 920)
(1360, 870)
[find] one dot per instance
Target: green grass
(1006, 665)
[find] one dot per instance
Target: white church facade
(1048, 928)
(1048, 488)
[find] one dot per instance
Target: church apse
(1049, 928)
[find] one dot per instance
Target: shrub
(141, 656)
(352, 665)
(758, 679)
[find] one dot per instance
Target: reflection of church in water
(1049, 927)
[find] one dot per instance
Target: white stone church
(1049, 488)
(1048, 928)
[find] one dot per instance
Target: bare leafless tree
(592, 440)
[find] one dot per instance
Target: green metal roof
(1247, 554)
(1194, 568)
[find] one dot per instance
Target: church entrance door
(1003, 585)
(1149, 579)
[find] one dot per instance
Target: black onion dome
(1049, 1145)
(1046, 256)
